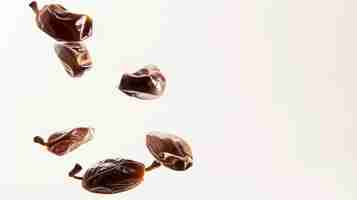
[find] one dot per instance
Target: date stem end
(76, 169)
(153, 166)
(39, 140)
(34, 7)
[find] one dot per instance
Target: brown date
(111, 176)
(146, 84)
(61, 143)
(74, 57)
(169, 150)
(62, 25)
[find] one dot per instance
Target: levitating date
(169, 150)
(61, 24)
(61, 143)
(111, 176)
(74, 57)
(147, 83)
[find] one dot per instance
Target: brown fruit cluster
(69, 30)
(116, 175)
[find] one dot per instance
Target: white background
(263, 90)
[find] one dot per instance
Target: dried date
(111, 176)
(62, 25)
(61, 143)
(169, 150)
(147, 83)
(74, 57)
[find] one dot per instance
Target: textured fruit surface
(64, 142)
(113, 176)
(75, 57)
(147, 83)
(170, 150)
(62, 25)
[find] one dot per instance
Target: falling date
(62, 25)
(61, 143)
(169, 150)
(147, 83)
(111, 176)
(74, 57)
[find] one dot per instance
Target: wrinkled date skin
(62, 25)
(170, 151)
(74, 57)
(111, 176)
(61, 143)
(146, 84)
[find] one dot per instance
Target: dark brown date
(62, 25)
(147, 83)
(169, 150)
(74, 57)
(111, 176)
(61, 143)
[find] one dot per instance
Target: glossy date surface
(147, 83)
(170, 150)
(62, 25)
(74, 57)
(111, 176)
(61, 143)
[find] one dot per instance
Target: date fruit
(74, 57)
(147, 83)
(111, 176)
(62, 25)
(169, 150)
(61, 143)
